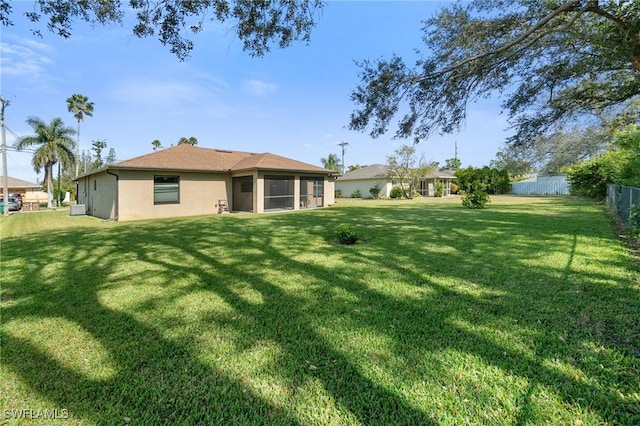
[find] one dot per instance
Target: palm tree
(54, 144)
(190, 141)
(156, 144)
(332, 162)
(80, 106)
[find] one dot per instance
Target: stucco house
(186, 180)
(363, 179)
(31, 192)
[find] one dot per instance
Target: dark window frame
(164, 189)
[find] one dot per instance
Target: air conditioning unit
(78, 210)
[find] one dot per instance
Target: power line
(32, 151)
(11, 131)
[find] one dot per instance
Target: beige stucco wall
(199, 194)
(329, 191)
(98, 193)
(132, 197)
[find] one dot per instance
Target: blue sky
(292, 102)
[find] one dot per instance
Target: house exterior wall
(199, 194)
(98, 193)
(348, 187)
(329, 191)
(130, 196)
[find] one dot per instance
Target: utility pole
(342, 144)
(455, 155)
(5, 174)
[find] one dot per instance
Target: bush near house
(438, 189)
(395, 192)
(375, 190)
(356, 194)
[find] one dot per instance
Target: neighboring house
(31, 192)
(365, 178)
(542, 185)
(427, 185)
(186, 180)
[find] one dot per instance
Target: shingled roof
(19, 183)
(379, 171)
(192, 158)
(374, 171)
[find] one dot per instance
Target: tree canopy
(548, 60)
(79, 106)
(405, 169)
(620, 165)
(189, 141)
(258, 24)
(332, 162)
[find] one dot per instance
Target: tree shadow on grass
(163, 379)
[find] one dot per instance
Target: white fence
(540, 188)
(621, 198)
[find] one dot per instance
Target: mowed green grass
(527, 312)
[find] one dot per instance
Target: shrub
(346, 235)
(590, 178)
(395, 192)
(475, 199)
(375, 190)
(438, 189)
(487, 179)
(338, 193)
(356, 194)
(454, 188)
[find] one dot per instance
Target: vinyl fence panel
(540, 188)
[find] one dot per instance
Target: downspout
(117, 193)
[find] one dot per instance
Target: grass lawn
(527, 312)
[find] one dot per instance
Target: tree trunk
(78, 151)
(49, 172)
(58, 203)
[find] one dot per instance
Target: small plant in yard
(438, 189)
(356, 194)
(346, 235)
(475, 199)
(338, 193)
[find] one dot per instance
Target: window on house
(166, 189)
